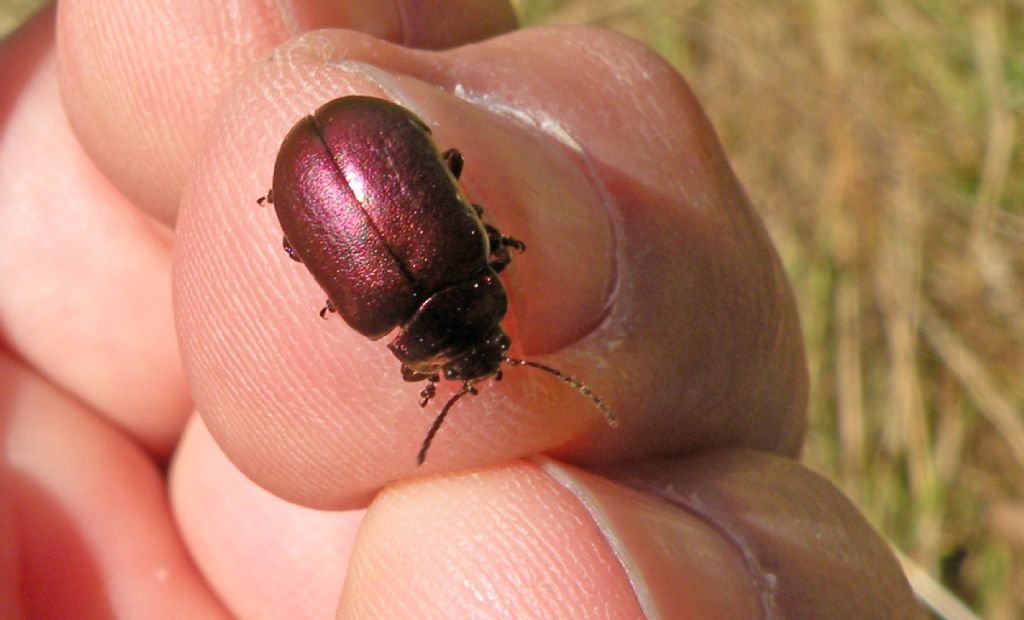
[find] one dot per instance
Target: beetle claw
(512, 242)
(328, 307)
(500, 257)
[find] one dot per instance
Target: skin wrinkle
(493, 544)
(403, 21)
(766, 585)
(601, 520)
(477, 577)
(287, 15)
(545, 592)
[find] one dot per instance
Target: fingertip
(107, 264)
(502, 542)
(263, 556)
(94, 533)
(141, 80)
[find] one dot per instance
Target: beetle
(373, 209)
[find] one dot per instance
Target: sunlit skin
(224, 453)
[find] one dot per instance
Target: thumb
(736, 534)
(648, 275)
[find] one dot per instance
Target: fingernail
(678, 564)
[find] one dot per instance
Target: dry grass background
(13, 12)
(881, 140)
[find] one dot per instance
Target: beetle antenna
(609, 415)
(467, 388)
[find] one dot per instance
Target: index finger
(140, 80)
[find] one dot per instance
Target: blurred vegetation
(881, 141)
(14, 12)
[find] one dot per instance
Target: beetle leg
(290, 250)
(500, 257)
(497, 239)
(453, 158)
(269, 198)
(328, 307)
(499, 243)
(512, 242)
(428, 391)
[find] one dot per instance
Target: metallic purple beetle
(373, 209)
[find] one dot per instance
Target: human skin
(136, 138)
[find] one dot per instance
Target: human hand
(671, 304)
